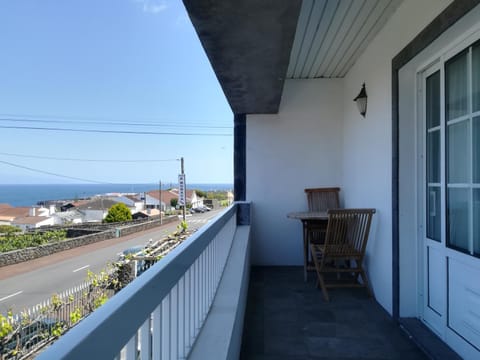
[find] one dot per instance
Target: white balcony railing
(160, 314)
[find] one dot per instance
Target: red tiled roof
(79, 202)
(97, 204)
(29, 219)
(150, 212)
(132, 197)
(5, 206)
(189, 193)
(11, 213)
(167, 195)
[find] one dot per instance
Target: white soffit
(332, 34)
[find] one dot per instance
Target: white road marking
(83, 267)
(11, 295)
(201, 221)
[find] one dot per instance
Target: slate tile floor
(287, 318)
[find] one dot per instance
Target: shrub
(9, 229)
(118, 212)
(15, 241)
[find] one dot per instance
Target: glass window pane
(458, 155)
(456, 86)
(433, 100)
(476, 77)
(476, 150)
(433, 213)
(458, 223)
(476, 221)
(433, 157)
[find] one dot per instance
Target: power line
(85, 160)
(54, 174)
(74, 119)
(113, 131)
(119, 123)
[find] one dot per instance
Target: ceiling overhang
(254, 45)
(248, 43)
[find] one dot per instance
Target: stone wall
(17, 256)
(127, 230)
(74, 233)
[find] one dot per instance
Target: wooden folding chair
(322, 199)
(344, 249)
(319, 200)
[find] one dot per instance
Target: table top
(308, 215)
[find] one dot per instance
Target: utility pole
(160, 199)
(185, 187)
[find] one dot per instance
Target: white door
(434, 263)
(451, 189)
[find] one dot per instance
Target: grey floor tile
(286, 318)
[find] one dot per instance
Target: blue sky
(93, 64)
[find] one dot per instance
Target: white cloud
(152, 6)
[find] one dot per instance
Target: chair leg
(305, 255)
(320, 280)
(365, 282)
(324, 288)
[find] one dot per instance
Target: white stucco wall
(318, 138)
(367, 161)
(299, 147)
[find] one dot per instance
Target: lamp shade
(361, 101)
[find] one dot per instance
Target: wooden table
(312, 221)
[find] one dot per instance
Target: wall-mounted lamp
(361, 101)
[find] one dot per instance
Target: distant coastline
(31, 194)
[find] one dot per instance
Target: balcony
(286, 318)
(189, 303)
(192, 304)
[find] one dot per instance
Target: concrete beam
(248, 43)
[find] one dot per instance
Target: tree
(118, 212)
(173, 202)
(201, 193)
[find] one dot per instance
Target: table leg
(305, 252)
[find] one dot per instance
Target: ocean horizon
(32, 194)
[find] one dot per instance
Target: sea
(32, 194)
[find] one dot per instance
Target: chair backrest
(322, 199)
(347, 232)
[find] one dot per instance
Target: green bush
(9, 229)
(14, 241)
(118, 212)
(201, 193)
(218, 195)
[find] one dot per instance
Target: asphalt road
(59, 273)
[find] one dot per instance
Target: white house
(191, 197)
(9, 213)
(131, 200)
(152, 198)
(32, 222)
(95, 210)
(73, 216)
